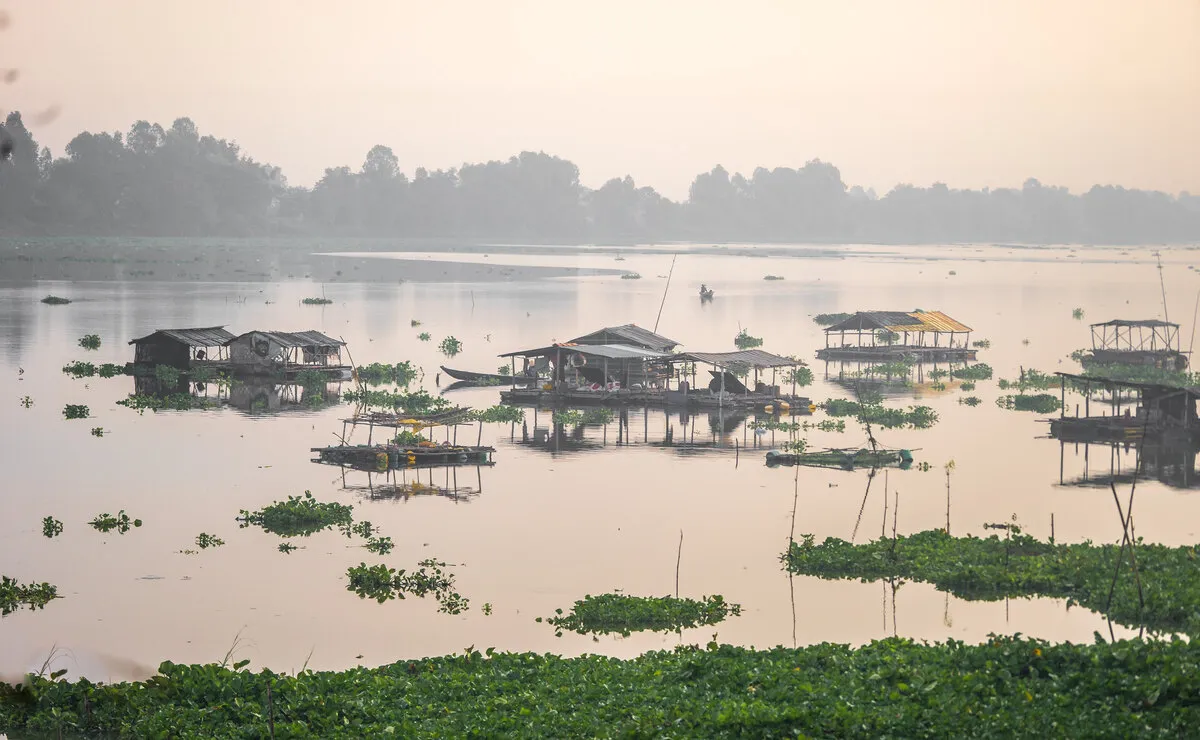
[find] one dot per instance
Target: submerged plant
(298, 516)
(205, 540)
(90, 341)
(609, 613)
(121, 522)
(743, 340)
(51, 527)
(76, 411)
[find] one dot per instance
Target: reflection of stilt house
(1173, 465)
(1148, 342)
(287, 353)
(886, 335)
(183, 348)
(1163, 412)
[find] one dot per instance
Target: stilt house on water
(1162, 412)
(1147, 342)
(595, 373)
(287, 353)
(183, 348)
(888, 335)
(628, 334)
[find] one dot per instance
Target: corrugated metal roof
(630, 334)
(296, 338)
(609, 351)
(750, 357)
(1137, 322)
(899, 321)
(208, 336)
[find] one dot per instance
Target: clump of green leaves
(424, 336)
(204, 540)
(967, 385)
(1030, 380)
(380, 545)
(802, 376)
(1142, 374)
(1042, 403)
(829, 319)
(51, 527)
(76, 411)
(382, 583)
(501, 413)
(743, 340)
(886, 336)
(53, 300)
(772, 277)
(322, 301)
(982, 344)
(402, 373)
(167, 375)
(450, 346)
(298, 516)
(13, 596)
(139, 402)
(286, 548)
(1017, 565)
(415, 402)
(121, 522)
(414, 323)
(79, 369)
(978, 371)
(408, 438)
(937, 374)
(609, 613)
(1077, 314)
(312, 380)
(90, 341)
(97, 431)
(917, 417)
(586, 416)
(970, 401)
(631, 276)
(109, 370)
(27, 401)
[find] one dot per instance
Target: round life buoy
(577, 360)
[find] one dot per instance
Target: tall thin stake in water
(665, 289)
(678, 560)
(1192, 341)
(1162, 284)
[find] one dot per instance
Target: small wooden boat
(844, 459)
(467, 376)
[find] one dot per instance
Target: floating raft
(843, 459)
(381, 458)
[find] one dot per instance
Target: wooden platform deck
(381, 458)
(884, 353)
(539, 398)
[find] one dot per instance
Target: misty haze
(662, 369)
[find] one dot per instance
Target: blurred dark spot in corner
(11, 75)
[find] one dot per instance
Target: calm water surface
(598, 511)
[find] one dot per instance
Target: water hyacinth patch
(624, 615)
(53, 300)
(743, 340)
(90, 341)
(978, 371)
(121, 522)
(298, 516)
(76, 411)
(382, 584)
(1042, 403)
(13, 596)
(205, 541)
(51, 527)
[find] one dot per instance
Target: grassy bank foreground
(897, 688)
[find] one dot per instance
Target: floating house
(922, 336)
(183, 348)
(585, 373)
(1161, 412)
(726, 387)
(1147, 342)
(286, 353)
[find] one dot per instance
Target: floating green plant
(286, 548)
(970, 401)
(967, 385)
(772, 277)
(631, 276)
(79, 369)
(802, 376)
(586, 416)
(53, 300)
(1030, 380)
(90, 341)
(316, 301)
(97, 431)
(121, 522)
(402, 373)
(382, 583)
(917, 417)
(450, 346)
(1042, 403)
(1077, 314)
(1018, 565)
(167, 375)
(139, 402)
(978, 371)
(13, 596)
(298, 516)
(27, 401)
(499, 413)
(743, 340)
(982, 344)
(76, 411)
(415, 402)
(424, 336)
(51, 527)
(414, 323)
(621, 614)
(205, 540)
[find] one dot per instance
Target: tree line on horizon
(156, 181)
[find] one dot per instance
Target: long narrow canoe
(470, 377)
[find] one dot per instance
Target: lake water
(601, 512)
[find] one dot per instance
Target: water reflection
(405, 485)
(1100, 464)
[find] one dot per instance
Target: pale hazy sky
(974, 94)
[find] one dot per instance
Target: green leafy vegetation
(832, 425)
(1042, 403)
(1030, 380)
(13, 596)
(286, 548)
(1141, 374)
(312, 380)
(500, 413)
(26, 401)
(917, 417)
(1077, 314)
(772, 277)
(450, 346)
(382, 583)
(1018, 565)
(298, 516)
(167, 375)
(743, 340)
(51, 527)
(121, 522)
(424, 336)
(53, 300)
(139, 402)
(76, 411)
(886, 336)
(970, 401)
(415, 402)
(631, 276)
(621, 614)
(939, 386)
(407, 437)
(414, 323)
(829, 319)
(895, 368)
(97, 431)
(967, 385)
(402, 373)
(978, 371)
(586, 416)
(802, 376)
(79, 369)
(982, 344)
(109, 370)
(90, 341)
(937, 374)
(1005, 687)
(205, 540)
(380, 545)
(316, 301)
